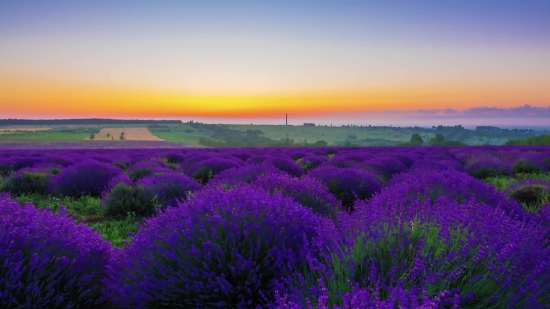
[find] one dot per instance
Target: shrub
(297, 155)
(346, 184)
(174, 158)
(531, 193)
(386, 167)
(88, 178)
(285, 165)
(120, 178)
(26, 181)
(310, 162)
(229, 178)
(442, 252)
(429, 185)
(123, 199)
(204, 170)
(218, 249)
(529, 165)
(486, 168)
(192, 160)
(167, 189)
(143, 169)
(308, 191)
(48, 261)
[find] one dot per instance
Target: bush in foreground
(88, 178)
(25, 182)
(218, 249)
(307, 191)
(48, 261)
(347, 185)
(439, 254)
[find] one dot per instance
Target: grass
(86, 209)
(43, 136)
(503, 183)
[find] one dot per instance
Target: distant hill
(90, 121)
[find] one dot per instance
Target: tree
(416, 139)
(92, 136)
(108, 135)
(437, 139)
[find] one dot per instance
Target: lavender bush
(218, 249)
(26, 181)
(204, 170)
(347, 185)
(88, 178)
(48, 261)
(307, 191)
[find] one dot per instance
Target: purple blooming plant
(488, 167)
(143, 169)
(310, 162)
(192, 160)
(229, 178)
(48, 261)
(217, 249)
(347, 185)
(87, 178)
(386, 167)
(173, 157)
(308, 191)
(26, 181)
(204, 170)
(429, 184)
(473, 254)
(120, 178)
(529, 164)
(285, 165)
(168, 189)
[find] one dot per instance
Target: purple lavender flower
(168, 189)
(204, 170)
(285, 165)
(88, 178)
(307, 191)
(229, 178)
(310, 162)
(48, 261)
(218, 249)
(347, 185)
(26, 181)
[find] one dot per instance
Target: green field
(191, 133)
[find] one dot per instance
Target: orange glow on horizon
(47, 98)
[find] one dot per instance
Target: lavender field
(350, 227)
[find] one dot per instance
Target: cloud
(525, 111)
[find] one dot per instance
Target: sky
(342, 61)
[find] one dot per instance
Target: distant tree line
(90, 121)
(541, 140)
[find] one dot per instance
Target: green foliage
(24, 183)
(92, 136)
(124, 199)
(523, 166)
(541, 140)
(439, 140)
(86, 209)
(416, 139)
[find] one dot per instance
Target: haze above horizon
(342, 61)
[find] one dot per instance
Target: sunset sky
(241, 61)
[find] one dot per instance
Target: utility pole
(286, 119)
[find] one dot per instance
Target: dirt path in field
(130, 134)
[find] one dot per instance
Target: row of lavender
(286, 228)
